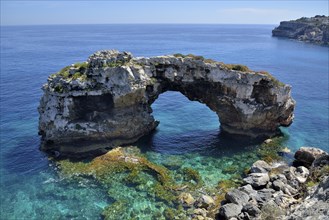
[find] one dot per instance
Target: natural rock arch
(105, 102)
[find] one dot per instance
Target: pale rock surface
(107, 101)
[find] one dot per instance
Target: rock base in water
(106, 102)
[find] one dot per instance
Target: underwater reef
(268, 186)
(88, 108)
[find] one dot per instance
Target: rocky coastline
(314, 29)
(278, 191)
(267, 190)
(88, 108)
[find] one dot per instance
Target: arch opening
(188, 127)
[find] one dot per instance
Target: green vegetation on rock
(79, 70)
(237, 67)
(269, 151)
(116, 63)
(195, 57)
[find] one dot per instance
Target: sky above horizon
(194, 12)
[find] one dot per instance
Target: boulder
(321, 161)
(260, 166)
(230, 210)
(278, 185)
(264, 196)
(238, 197)
(257, 180)
(300, 173)
(306, 155)
(251, 209)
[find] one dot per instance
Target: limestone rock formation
(291, 193)
(106, 101)
(314, 29)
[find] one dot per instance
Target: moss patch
(269, 152)
(237, 67)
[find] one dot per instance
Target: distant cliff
(314, 29)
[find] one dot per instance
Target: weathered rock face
(315, 29)
(289, 193)
(107, 99)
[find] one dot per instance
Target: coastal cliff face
(105, 102)
(314, 29)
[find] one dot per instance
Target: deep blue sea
(188, 131)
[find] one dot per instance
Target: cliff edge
(314, 29)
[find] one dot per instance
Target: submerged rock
(186, 199)
(106, 101)
(314, 29)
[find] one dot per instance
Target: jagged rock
(321, 161)
(306, 155)
(106, 101)
(186, 199)
(238, 197)
(300, 173)
(257, 180)
(315, 205)
(230, 210)
(284, 200)
(264, 196)
(280, 177)
(260, 166)
(271, 210)
(278, 185)
(251, 209)
(314, 29)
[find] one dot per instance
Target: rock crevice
(106, 101)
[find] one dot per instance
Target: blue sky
(107, 12)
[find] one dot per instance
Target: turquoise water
(188, 134)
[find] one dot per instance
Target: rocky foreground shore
(314, 29)
(279, 191)
(269, 190)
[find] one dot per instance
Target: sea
(189, 132)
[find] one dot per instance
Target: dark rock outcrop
(314, 29)
(307, 155)
(105, 102)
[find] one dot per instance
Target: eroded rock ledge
(107, 99)
(314, 29)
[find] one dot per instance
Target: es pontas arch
(105, 102)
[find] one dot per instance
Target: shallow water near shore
(188, 134)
